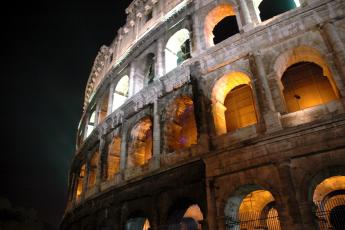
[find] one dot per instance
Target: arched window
(140, 145)
(329, 198)
(306, 86)
(103, 108)
(266, 9)
(91, 122)
(120, 93)
(220, 24)
(180, 129)
(233, 103)
(138, 223)
(93, 170)
(80, 182)
(114, 152)
(185, 216)
(251, 208)
(177, 49)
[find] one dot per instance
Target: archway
(113, 162)
(180, 129)
(138, 223)
(233, 103)
(266, 9)
(103, 112)
(329, 199)
(251, 207)
(185, 216)
(120, 93)
(177, 49)
(91, 122)
(140, 145)
(306, 86)
(220, 23)
(80, 182)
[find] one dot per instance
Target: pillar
(160, 60)
(269, 114)
(110, 99)
(337, 46)
(131, 90)
(248, 23)
(289, 215)
(123, 154)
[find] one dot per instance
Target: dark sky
(50, 48)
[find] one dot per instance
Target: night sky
(50, 48)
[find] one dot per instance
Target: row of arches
(220, 24)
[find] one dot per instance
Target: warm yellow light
(327, 186)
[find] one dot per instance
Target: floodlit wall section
(113, 161)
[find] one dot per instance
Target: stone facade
(285, 153)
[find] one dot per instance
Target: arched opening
(266, 9)
(140, 145)
(120, 93)
(80, 182)
(180, 129)
(305, 86)
(251, 207)
(93, 170)
(233, 103)
(220, 24)
(185, 216)
(329, 199)
(177, 49)
(103, 112)
(113, 162)
(138, 223)
(91, 122)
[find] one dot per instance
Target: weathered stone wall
(287, 154)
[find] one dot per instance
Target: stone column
(160, 59)
(211, 204)
(338, 47)
(289, 215)
(156, 150)
(199, 42)
(100, 168)
(248, 23)
(110, 99)
(131, 87)
(308, 218)
(123, 154)
(199, 101)
(267, 108)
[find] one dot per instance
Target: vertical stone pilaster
(123, 154)
(156, 130)
(100, 165)
(160, 59)
(131, 90)
(265, 99)
(211, 204)
(337, 46)
(86, 178)
(248, 23)
(289, 215)
(198, 41)
(308, 218)
(110, 99)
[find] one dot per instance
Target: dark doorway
(271, 8)
(226, 28)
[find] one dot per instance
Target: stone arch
(215, 16)
(140, 143)
(120, 92)
(180, 129)
(251, 206)
(91, 121)
(177, 49)
(138, 220)
(290, 57)
(230, 83)
(266, 9)
(185, 212)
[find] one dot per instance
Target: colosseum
(215, 114)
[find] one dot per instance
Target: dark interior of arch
(271, 8)
(226, 28)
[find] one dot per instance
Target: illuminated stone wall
(177, 129)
